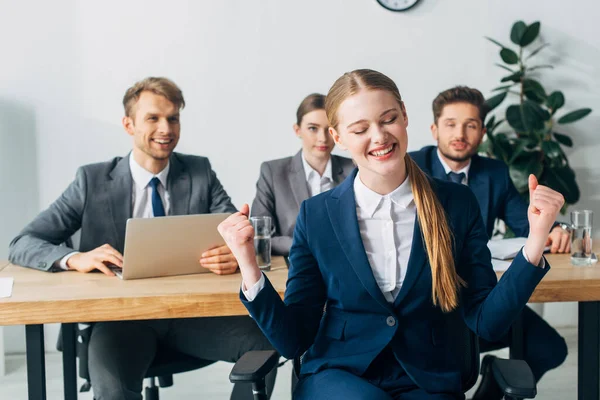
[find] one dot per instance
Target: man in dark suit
(458, 130)
(151, 181)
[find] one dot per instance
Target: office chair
(159, 375)
(512, 378)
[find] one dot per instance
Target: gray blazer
(99, 202)
(280, 190)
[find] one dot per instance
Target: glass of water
(262, 241)
(581, 237)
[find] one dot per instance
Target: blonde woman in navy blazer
(285, 183)
(378, 263)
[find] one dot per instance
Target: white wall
(244, 66)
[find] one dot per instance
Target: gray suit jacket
(99, 203)
(280, 190)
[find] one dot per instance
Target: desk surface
(565, 282)
(41, 297)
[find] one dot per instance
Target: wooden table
(565, 282)
(68, 297)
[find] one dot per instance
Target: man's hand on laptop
(219, 260)
(96, 259)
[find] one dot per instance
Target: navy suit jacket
(490, 182)
(335, 315)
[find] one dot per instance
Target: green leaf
(516, 77)
(504, 67)
(562, 179)
(539, 67)
(555, 101)
(533, 53)
(563, 139)
(490, 123)
(535, 116)
(527, 118)
(505, 87)
(517, 31)
(534, 90)
(501, 147)
(574, 115)
(531, 33)
(519, 148)
(494, 41)
(509, 56)
(522, 167)
(494, 101)
(551, 149)
(514, 118)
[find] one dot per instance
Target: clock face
(397, 5)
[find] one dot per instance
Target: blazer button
(42, 265)
(391, 321)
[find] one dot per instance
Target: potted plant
(529, 136)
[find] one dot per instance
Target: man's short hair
(157, 85)
(459, 94)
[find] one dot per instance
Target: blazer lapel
(437, 169)
(298, 179)
(418, 259)
(342, 214)
(119, 188)
(480, 185)
(179, 187)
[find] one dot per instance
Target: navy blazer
(335, 314)
(490, 181)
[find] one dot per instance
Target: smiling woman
(375, 270)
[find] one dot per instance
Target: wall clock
(397, 5)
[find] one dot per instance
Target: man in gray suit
(283, 185)
(151, 181)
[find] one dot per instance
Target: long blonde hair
(431, 215)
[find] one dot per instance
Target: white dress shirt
(447, 168)
(317, 183)
(141, 195)
(386, 226)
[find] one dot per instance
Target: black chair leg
(151, 392)
(259, 390)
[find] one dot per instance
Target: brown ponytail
(437, 237)
(431, 215)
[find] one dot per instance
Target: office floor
(212, 383)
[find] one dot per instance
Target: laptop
(167, 246)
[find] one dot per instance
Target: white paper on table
(505, 249)
(6, 286)
(500, 265)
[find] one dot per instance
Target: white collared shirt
(447, 168)
(141, 192)
(141, 195)
(317, 183)
(386, 224)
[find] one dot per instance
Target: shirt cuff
(542, 263)
(63, 261)
(254, 290)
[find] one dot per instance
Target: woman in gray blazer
(285, 183)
